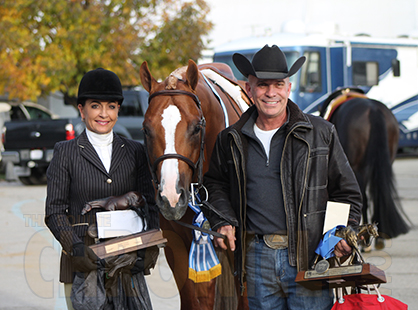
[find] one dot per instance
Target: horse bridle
(194, 166)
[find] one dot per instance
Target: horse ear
(192, 74)
(147, 79)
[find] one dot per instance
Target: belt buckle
(275, 241)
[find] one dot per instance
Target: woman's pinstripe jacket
(76, 175)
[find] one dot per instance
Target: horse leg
(365, 208)
(192, 295)
(177, 255)
(365, 246)
(242, 298)
(228, 289)
(361, 175)
(205, 292)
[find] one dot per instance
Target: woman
(95, 165)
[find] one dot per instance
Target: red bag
(369, 302)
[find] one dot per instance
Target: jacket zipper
(243, 202)
(284, 192)
(301, 201)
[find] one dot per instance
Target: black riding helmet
(100, 84)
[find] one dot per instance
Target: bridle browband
(194, 166)
(175, 92)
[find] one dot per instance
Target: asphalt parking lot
(29, 255)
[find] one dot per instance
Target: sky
(238, 19)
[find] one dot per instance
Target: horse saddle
(228, 83)
(338, 101)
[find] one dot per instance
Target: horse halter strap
(199, 163)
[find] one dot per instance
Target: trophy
(123, 227)
(352, 271)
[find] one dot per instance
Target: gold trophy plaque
(130, 243)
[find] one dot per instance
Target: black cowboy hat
(267, 63)
(100, 84)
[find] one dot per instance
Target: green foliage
(178, 40)
(48, 45)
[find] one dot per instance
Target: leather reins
(194, 166)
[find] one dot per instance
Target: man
(270, 177)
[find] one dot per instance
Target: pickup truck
(29, 142)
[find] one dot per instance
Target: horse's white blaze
(170, 167)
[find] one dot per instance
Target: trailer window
(365, 73)
(310, 77)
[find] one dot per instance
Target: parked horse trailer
(385, 69)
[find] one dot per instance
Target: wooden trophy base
(129, 243)
(345, 276)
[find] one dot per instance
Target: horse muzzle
(177, 211)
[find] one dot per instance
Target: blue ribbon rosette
(203, 262)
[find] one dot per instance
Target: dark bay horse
(369, 134)
(180, 127)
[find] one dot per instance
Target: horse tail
(387, 210)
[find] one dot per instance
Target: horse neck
(213, 114)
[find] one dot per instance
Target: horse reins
(194, 166)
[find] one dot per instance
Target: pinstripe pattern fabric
(76, 175)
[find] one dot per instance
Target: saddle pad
(232, 89)
(334, 104)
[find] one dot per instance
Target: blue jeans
(271, 282)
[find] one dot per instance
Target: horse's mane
(174, 77)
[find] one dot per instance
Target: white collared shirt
(102, 143)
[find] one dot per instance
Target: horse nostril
(184, 197)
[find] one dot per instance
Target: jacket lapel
(118, 153)
(89, 153)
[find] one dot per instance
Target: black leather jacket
(314, 170)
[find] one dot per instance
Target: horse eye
(146, 131)
(197, 129)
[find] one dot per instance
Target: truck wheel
(25, 180)
(37, 177)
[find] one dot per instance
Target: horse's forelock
(174, 77)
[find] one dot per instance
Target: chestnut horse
(180, 127)
(369, 134)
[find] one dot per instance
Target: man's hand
(342, 249)
(229, 232)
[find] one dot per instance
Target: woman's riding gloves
(83, 258)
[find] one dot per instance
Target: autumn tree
(48, 45)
